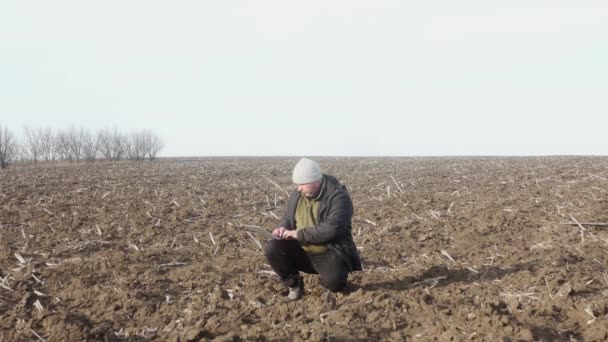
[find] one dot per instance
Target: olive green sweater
(306, 216)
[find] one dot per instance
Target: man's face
(309, 189)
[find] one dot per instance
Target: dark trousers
(287, 259)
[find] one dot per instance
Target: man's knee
(334, 282)
(272, 248)
(279, 247)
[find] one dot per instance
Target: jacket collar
(322, 189)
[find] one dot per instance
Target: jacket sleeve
(286, 219)
(338, 218)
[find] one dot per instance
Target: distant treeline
(76, 144)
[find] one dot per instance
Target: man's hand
(278, 233)
(284, 233)
(290, 235)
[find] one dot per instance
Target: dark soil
(453, 249)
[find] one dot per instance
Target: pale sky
(309, 78)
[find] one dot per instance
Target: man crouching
(314, 235)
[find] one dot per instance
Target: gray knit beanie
(306, 171)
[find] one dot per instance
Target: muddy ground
(453, 249)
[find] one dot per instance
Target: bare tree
(21, 154)
(32, 145)
(89, 146)
(135, 145)
(112, 144)
(155, 144)
(48, 146)
(75, 142)
(119, 142)
(142, 142)
(104, 143)
(62, 143)
(8, 147)
(146, 138)
(129, 147)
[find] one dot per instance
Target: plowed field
(453, 249)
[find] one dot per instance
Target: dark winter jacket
(334, 221)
